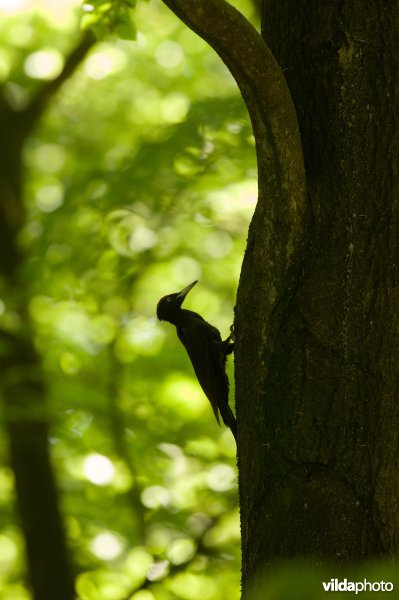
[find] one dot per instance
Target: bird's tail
(229, 418)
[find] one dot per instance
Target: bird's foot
(228, 343)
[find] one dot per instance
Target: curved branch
(272, 112)
(48, 90)
(277, 234)
(258, 76)
(240, 47)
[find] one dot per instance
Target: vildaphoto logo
(335, 585)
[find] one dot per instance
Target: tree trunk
(317, 400)
(317, 317)
(23, 391)
(23, 388)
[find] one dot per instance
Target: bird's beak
(181, 295)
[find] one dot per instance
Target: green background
(140, 178)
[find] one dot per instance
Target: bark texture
(317, 400)
(317, 318)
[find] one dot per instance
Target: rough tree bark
(23, 390)
(330, 412)
(317, 317)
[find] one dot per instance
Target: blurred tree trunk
(317, 318)
(23, 388)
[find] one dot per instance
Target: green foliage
(140, 179)
(104, 17)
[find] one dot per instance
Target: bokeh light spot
(70, 363)
(104, 62)
(185, 270)
(48, 157)
(103, 329)
(184, 395)
(140, 337)
(174, 108)
(50, 197)
(169, 54)
(158, 570)
(44, 64)
(155, 496)
(98, 469)
(180, 551)
(221, 478)
(13, 6)
(8, 552)
(142, 238)
(106, 546)
(218, 244)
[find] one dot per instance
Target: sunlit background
(140, 178)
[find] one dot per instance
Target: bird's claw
(228, 344)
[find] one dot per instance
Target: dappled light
(98, 469)
(43, 64)
(104, 61)
(49, 197)
(106, 546)
(139, 178)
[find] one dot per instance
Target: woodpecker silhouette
(206, 350)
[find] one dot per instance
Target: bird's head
(169, 306)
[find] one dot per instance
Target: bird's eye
(168, 299)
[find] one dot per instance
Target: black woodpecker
(206, 350)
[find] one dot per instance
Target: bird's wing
(203, 345)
